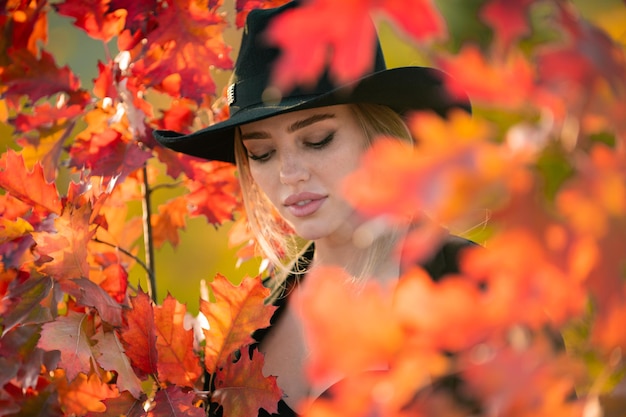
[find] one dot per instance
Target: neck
(377, 259)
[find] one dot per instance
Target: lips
(304, 204)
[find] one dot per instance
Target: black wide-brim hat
(402, 89)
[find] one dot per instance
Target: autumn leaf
(233, 317)
(94, 17)
(306, 41)
(171, 217)
(85, 394)
(509, 20)
(30, 187)
(108, 154)
(36, 78)
(22, 304)
(213, 191)
(10, 230)
(67, 244)
(90, 294)
(139, 334)
(245, 6)
(123, 405)
(175, 402)
(177, 362)
(241, 389)
(104, 85)
(350, 345)
(186, 41)
(71, 335)
(28, 27)
(483, 79)
(110, 356)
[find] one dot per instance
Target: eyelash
(315, 145)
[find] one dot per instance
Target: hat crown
(254, 65)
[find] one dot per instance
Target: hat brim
(402, 89)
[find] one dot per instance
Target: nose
(292, 169)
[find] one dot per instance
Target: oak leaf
(186, 41)
(139, 334)
(108, 154)
(22, 304)
(85, 394)
(66, 247)
(233, 317)
(37, 78)
(94, 17)
(241, 389)
(90, 294)
(171, 217)
(124, 405)
(110, 356)
(71, 335)
(30, 187)
(174, 401)
(309, 45)
(177, 361)
(213, 191)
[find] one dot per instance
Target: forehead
(284, 122)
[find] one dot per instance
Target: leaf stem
(147, 233)
(130, 255)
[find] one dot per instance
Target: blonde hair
(283, 248)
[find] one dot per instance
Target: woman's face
(299, 160)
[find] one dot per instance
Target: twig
(130, 255)
(147, 233)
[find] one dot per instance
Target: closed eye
(321, 144)
(261, 158)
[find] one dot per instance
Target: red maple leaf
(104, 85)
(40, 77)
(175, 402)
(45, 116)
(187, 41)
(139, 334)
(178, 117)
(213, 191)
(30, 187)
(241, 389)
(71, 335)
(306, 40)
(233, 317)
(25, 25)
(94, 17)
(244, 7)
(177, 361)
(509, 20)
(108, 154)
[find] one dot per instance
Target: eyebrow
(295, 126)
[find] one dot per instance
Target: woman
(292, 154)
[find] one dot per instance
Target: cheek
(265, 178)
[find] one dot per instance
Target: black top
(444, 262)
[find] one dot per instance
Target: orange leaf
(308, 44)
(175, 402)
(94, 17)
(71, 335)
(186, 41)
(139, 334)
(236, 314)
(85, 394)
(177, 361)
(111, 356)
(367, 334)
(67, 245)
(172, 216)
(241, 389)
(30, 187)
